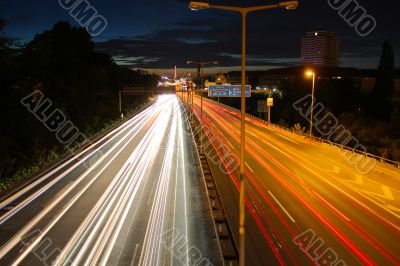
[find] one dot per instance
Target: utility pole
(312, 74)
(120, 104)
(200, 70)
(244, 11)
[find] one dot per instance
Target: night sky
(160, 34)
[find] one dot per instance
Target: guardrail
(340, 146)
(223, 229)
(26, 181)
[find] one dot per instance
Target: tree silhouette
(63, 64)
(379, 103)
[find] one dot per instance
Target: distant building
(320, 48)
(220, 79)
(235, 78)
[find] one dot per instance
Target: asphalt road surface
(135, 197)
(307, 202)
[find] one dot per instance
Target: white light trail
(17, 238)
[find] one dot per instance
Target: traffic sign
(270, 102)
(228, 91)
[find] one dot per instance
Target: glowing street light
(310, 73)
(196, 6)
(244, 11)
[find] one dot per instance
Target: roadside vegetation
(83, 83)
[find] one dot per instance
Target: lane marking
(280, 205)
(287, 139)
(230, 144)
(331, 206)
(248, 166)
(279, 150)
(386, 193)
(151, 193)
(358, 180)
(134, 255)
(252, 134)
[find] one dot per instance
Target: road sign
(228, 91)
(270, 102)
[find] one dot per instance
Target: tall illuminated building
(320, 48)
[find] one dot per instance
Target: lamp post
(244, 11)
(269, 104)
(120, 104)
(311, 74)
(191, 101)
(201, 65)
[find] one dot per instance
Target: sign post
(270, 103)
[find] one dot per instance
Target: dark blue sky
(160, 34)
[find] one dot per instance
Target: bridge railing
(321, 140)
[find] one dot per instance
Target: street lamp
(310, 73)
(201, 65)
(289, 5)
(196, 6)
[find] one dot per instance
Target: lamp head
(289, 5)
(196, 6)
(309, 73)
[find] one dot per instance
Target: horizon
(225, 70)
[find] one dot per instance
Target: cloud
(134, 61)
(213, 38)
(273, 38)
(196, 41)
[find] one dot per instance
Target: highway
(306, 203)
(134, 197)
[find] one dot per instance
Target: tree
(379, 104)
(62, 63)
(3, 38)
